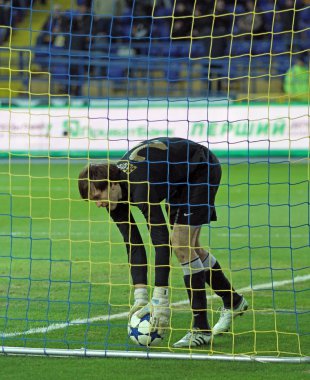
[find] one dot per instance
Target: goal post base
(5, 350)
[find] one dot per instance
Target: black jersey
(171, 169)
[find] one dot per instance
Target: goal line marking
(76, 322)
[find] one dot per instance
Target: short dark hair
(99, 175)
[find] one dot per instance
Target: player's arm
(159, 233)
(159, 305)
(136, 253)
(133, 241)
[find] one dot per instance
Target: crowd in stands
(12, 12)
(218, 29)
(181, 28)
(140, 20)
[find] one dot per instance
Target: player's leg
(182, 239)
(234, 304)
(216, 278)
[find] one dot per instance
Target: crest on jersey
(126, 167)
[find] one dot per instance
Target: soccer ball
(139, 331)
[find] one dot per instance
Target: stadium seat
(155, 48)
(281, 63)
(277, 27)
(304, 15)
(265, 5)
(160, 28)
(60, 71)
(305, 40)
(268, 17)
(162, 11)
(198, 49)
(279, 44)
(171, 49)
(236, 9)
(261, 46)
(101, 44)
(238, 66)
(3, 34)
(172, 71)
(117, 68)
(183, 48)
(240, 46)
(125, 31)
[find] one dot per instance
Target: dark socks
(195, 286)
(216, 279)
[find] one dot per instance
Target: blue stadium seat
(172, 70)
(281, 63)
(117, 68)
(184, 48)
(59, 65)
(259, 65)
(162, 11)
(304, 15)
(277, 27)
(101, 44)
(265, 5)
(171, 49)
(261, 47)
(125, 28)
(240, 46)
(198, 50)
(160, 28)
(59, 71)
(155, 48)
(305, 40)
(268, 18)
(239, 8)
(238, 66)
(279, 44)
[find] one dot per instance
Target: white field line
(75, 322)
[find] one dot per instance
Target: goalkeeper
(186, 175)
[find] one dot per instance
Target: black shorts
(194, 203)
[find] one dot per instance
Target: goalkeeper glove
(141, 299)
(158, 309)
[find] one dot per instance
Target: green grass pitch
(63, 264)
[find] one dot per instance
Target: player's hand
(139, 304)
(158, 309)
(141, 299)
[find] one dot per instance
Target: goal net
(84, 82)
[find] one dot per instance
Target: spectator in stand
(5, 20)
(251, 22)
(78, 37)
(141, 26)
(87, 3)
(222, 29)
(52, 37)
(201, 33)
(52, 27)
(212, 26)
(182, 19)
(104, 13)
(296, 81)
(289, 16)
